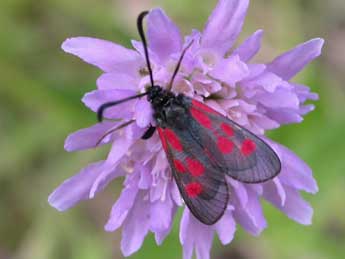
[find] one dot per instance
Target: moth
(203, 147)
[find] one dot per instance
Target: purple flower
(259, 97)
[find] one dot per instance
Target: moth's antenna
(105, 106)
(143, 39)
(179, 65)
(113, 130)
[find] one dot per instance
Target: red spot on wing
(173, 140)
(225, 145)
(193, 190)
(179, 166)
(202, 118)
(228, 130)
(203, 107)
(162, 137)
(195, 167)
(248, 147)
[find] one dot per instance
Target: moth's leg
(148, 134)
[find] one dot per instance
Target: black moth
(202, 146)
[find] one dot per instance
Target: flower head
(257, 96)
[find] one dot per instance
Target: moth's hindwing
(201, 184)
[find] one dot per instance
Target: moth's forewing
(246, 157)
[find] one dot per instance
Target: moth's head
(154, 92)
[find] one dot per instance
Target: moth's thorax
(169, 110)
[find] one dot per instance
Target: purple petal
(230, 70)
(175, 194)
(248, 49)
(96, 98)
(254, 71)
(284, 115)
(161, 214)
(104, 178)
(224, 25)
(161, 235)
(145, 181)
(133, 132)
(161, 164)
(203, 244)
(76, 188)
(89, 137)
(204, 86)
(256, 188)
(187, 243)
(118, 150)
(121, 208)
(158, 190)
(275, 190)
(264, 123)
(106, 55)
(163, 35)
(183, 86)
(138, 46)
(304, 93)
(226, 228)
(305, 109)
(251, 216)
(143, 113)
(240, 191)
(195, 235)
(136, 226)
(295, 207)
(290, 63)
(118, 81)
(267, 81)
(281, 98)
(295, 172)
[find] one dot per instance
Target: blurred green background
(40, 91)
